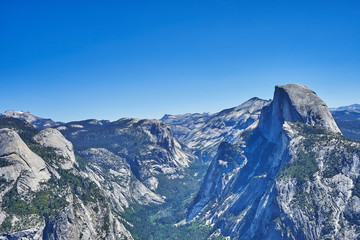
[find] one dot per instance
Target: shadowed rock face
(279, 183)
(295, 102)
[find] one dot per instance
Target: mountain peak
(27, 116)
(38, 122)
(295, 102)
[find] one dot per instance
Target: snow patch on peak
(27, 116)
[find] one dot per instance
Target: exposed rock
(296, 180)
(183, 124)
(54, 139)
(120, 185)
(295, 102)
(25, 167)
(35, 233)
(79, 221)
(147, 145)
(208, 131)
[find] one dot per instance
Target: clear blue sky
(72, 60)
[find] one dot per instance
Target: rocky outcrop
(280, 170)
(229, 161)
(40, 200)
(208, 131)
(295, 102)
(54, 139)
(113, 174)
(80, 221)
(147, 145)
(20, 164)
(295, 178)
(183, 124)
(35, 233)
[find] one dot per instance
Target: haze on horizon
(78, 60)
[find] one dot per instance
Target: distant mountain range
(286, 168)
(38, 122)
(348, 120)
(353, 107)
(205, 132)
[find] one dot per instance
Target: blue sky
(72, 60)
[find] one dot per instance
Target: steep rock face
(227, 125)
(147, 145)
(229, 161)
(54, 139)
(80, 221)
(20, 164)
(113, 174)
(40, 199)
(295, 102)
(292, 179)
(318, 189)
(161, 135)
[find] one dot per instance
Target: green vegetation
(85, 189)
(333, 166)
(149, 224)
(6, 224)
(46, 153)
(158, 221)
(44, 203)
(24, 129)
(81, 161)
(47, 202)
(303, 167)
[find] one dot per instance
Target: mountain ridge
(277, 169)
(248, 198)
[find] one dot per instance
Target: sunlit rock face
(295, 102)
(54, 139)
(24, 167)
(204, 132)
(292, 177)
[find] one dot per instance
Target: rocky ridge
(38, 122)
(208, 131)
(42, 200)
(280, 169)
(292, 177)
